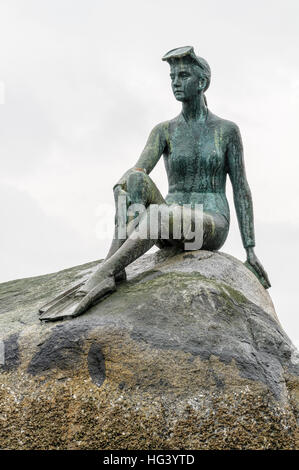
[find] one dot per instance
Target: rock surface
(188, 353)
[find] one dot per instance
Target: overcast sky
(81, 86)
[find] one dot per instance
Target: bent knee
(136, 180)
(137, 175)
(140, 187)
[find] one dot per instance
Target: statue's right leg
(140, 190)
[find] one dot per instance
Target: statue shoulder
(228, 128)
(163, 129)
(160, 128)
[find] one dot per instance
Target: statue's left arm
(243, 202)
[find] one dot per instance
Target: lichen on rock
(188, 353)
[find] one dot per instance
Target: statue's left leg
(141, 239)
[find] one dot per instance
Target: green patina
(140, 283)
(200, 150)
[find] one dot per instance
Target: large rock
(187, 354)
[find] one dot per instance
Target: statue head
(190, 74)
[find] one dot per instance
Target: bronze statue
(199, 150)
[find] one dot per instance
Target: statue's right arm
(150, 155)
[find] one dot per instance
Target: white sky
(84, 85)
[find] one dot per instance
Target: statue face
(185, 81)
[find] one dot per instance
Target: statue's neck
(195, 109)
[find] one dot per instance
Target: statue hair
(204, 71)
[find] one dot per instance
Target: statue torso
(195, 161)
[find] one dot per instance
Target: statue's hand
(256, 267)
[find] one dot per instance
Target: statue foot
(77, 300)
(103, 289)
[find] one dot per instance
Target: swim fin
(69, 305)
